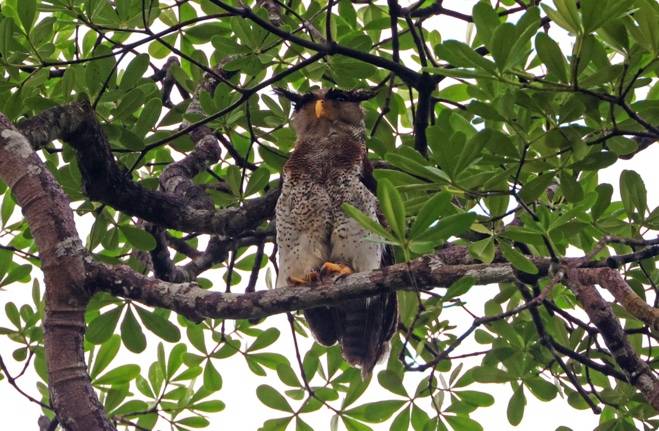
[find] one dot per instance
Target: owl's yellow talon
(336, 268)
(311, 277)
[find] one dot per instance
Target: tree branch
(48, 213)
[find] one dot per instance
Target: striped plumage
(327, 168)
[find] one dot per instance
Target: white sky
(244, 411)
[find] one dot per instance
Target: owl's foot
(337, 269)
(308, 278)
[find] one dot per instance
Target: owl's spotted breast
(327, 169)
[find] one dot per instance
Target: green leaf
(570, 187)
(595, 161)
(476, 398)
(490, 375)
(355, 390)
(392, 382)
(138, 238)
(451, 225)
(196, 337)
(264, 339)
(536, 187)
(551, 55)
(175, 358)
(278, 424)
(210, 406)
(7, 209)
(563, 16)
(366, 221)
(353, 425)
(301, 425)
(473, 149)
(105, 355)
(287, 375)
(194, 422)
(461, 55)
(429, 213)
(19, 273)
(131, 333)
(149, 116)
(501, 44)
(402, 421)
(375, 412)
(459, 287)
(542, 389)
(633, 193)
(463, 423)
(5, 261)
(159, 325)
(517, 259)
(273, 399)
(102, 327)
(212, 378)
(515, 410)
(486, 20)
(12, 314)
(483, 250)
(27, 12)
(129, 104)
(119, 375)
(391, 203)
(134, 72)
(257, 181)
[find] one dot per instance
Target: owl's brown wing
(364, 326)
(389, 302)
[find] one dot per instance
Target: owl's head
(331, 106)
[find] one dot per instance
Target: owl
(328, 167)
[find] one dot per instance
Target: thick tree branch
(612, 281)
(47, 211)
(196, 303)
(601, 314)
(104, 181)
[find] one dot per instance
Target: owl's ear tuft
(290, 95)
(362, 94)
(297, 99)
(356, 96)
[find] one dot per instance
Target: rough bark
(601, 315)
(612, 281)
(47, 212)
(197, 304)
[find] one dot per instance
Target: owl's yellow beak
(320, 108)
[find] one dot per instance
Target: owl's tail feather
(322, 325)
(365, 327)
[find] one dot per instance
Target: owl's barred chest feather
(316, 183)
(322, 174)
(327, 169)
